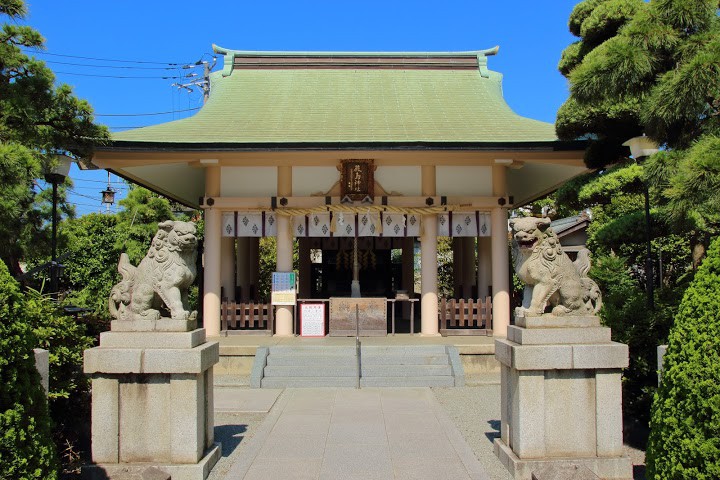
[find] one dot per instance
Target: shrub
(26, 448)
(625, 311)
(685, 422)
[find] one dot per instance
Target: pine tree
(37, 120)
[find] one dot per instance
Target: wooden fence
(246, 318)
(465, 317)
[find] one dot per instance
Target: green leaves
(683, 104)
(26, 448)
(37, 118)
(642, 67)
(685, 423)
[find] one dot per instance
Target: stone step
(350, 350)
(406, 370)
(318, 370)
(310, 382)
(324, 370)
(368, 358)
(336, 366)
(425, 381)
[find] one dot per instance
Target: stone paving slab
(244, 400)
(331, 433)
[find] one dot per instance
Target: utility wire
(74, 192)
(122, 76)
(144, 114)
(97, 181)
(174, 64)
(185, 67)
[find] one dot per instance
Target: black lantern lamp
(55, 175)
(641, 148)
(108, 195)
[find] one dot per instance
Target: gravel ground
(476, 413)
(233, 430)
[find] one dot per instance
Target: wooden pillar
(484, 266)
(242, 257)
(227, 267)
(305, 268)
(211, 266)
(284, 313)
(500, 257)
(468, 266)
(408, 271)
(428, 259)
(254, 267)
(457, 252)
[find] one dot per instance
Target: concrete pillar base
(197, 471)
(561, 397)
(606, 468)
(283, 321)
(152, 403)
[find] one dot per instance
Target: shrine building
(354, 155)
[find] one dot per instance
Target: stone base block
(121, 339)
(561, 356)
(148, 325)
(615, 468)
(123, 471)
(551, 321)
(151, 360)
(565, 336)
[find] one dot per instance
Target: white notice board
(312, 319)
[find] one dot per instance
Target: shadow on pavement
(230, 436)
(495, 425)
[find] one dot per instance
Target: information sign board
(283, 288)
(312, 320)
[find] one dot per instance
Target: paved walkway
(373, 433)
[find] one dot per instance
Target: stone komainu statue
(550, 277)
(162, 277)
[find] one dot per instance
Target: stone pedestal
(152, 402)
(561, 397)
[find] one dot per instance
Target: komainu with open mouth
(161, 280)
(550, 277)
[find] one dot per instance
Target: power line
(74, 192)
(124, 76)
(118, 188)
(144, 114)
(175, 64)
(97, 181)
(184, 67)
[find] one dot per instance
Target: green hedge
(26, 447)
(685, 425)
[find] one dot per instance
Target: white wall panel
(404, 180)
(311, 180)
(248, 181)
(453, 181)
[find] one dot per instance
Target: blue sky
(531, 36)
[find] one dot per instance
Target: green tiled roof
(344, 105)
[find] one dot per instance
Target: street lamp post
(641, 148)
(56, 175)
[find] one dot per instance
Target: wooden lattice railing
(465, 317)
(246, 318)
